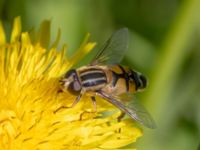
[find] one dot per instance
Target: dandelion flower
(29, 96)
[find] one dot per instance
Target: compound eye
(76, 86)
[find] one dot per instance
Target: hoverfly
(106, 78)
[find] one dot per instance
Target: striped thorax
(92, 78)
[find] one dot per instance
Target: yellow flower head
(29, 96)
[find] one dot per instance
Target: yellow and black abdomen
(123, 80)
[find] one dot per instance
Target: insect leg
(94, 103)
(76, 100)
(61, 107)
(73, 104)
(121, 116)
(103, 95)
(90, 113)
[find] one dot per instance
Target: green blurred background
(164, 45)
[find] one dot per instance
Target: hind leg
(94, 103)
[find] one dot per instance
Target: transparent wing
(113, 50)
(134, 109)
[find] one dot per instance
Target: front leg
(73, 104)
(76, 100)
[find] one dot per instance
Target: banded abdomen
(123, 80)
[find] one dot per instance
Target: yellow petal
(16, 30)
(84, 49)
(55, 44)
(2, 34)
(25, 38)
(44, 34)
